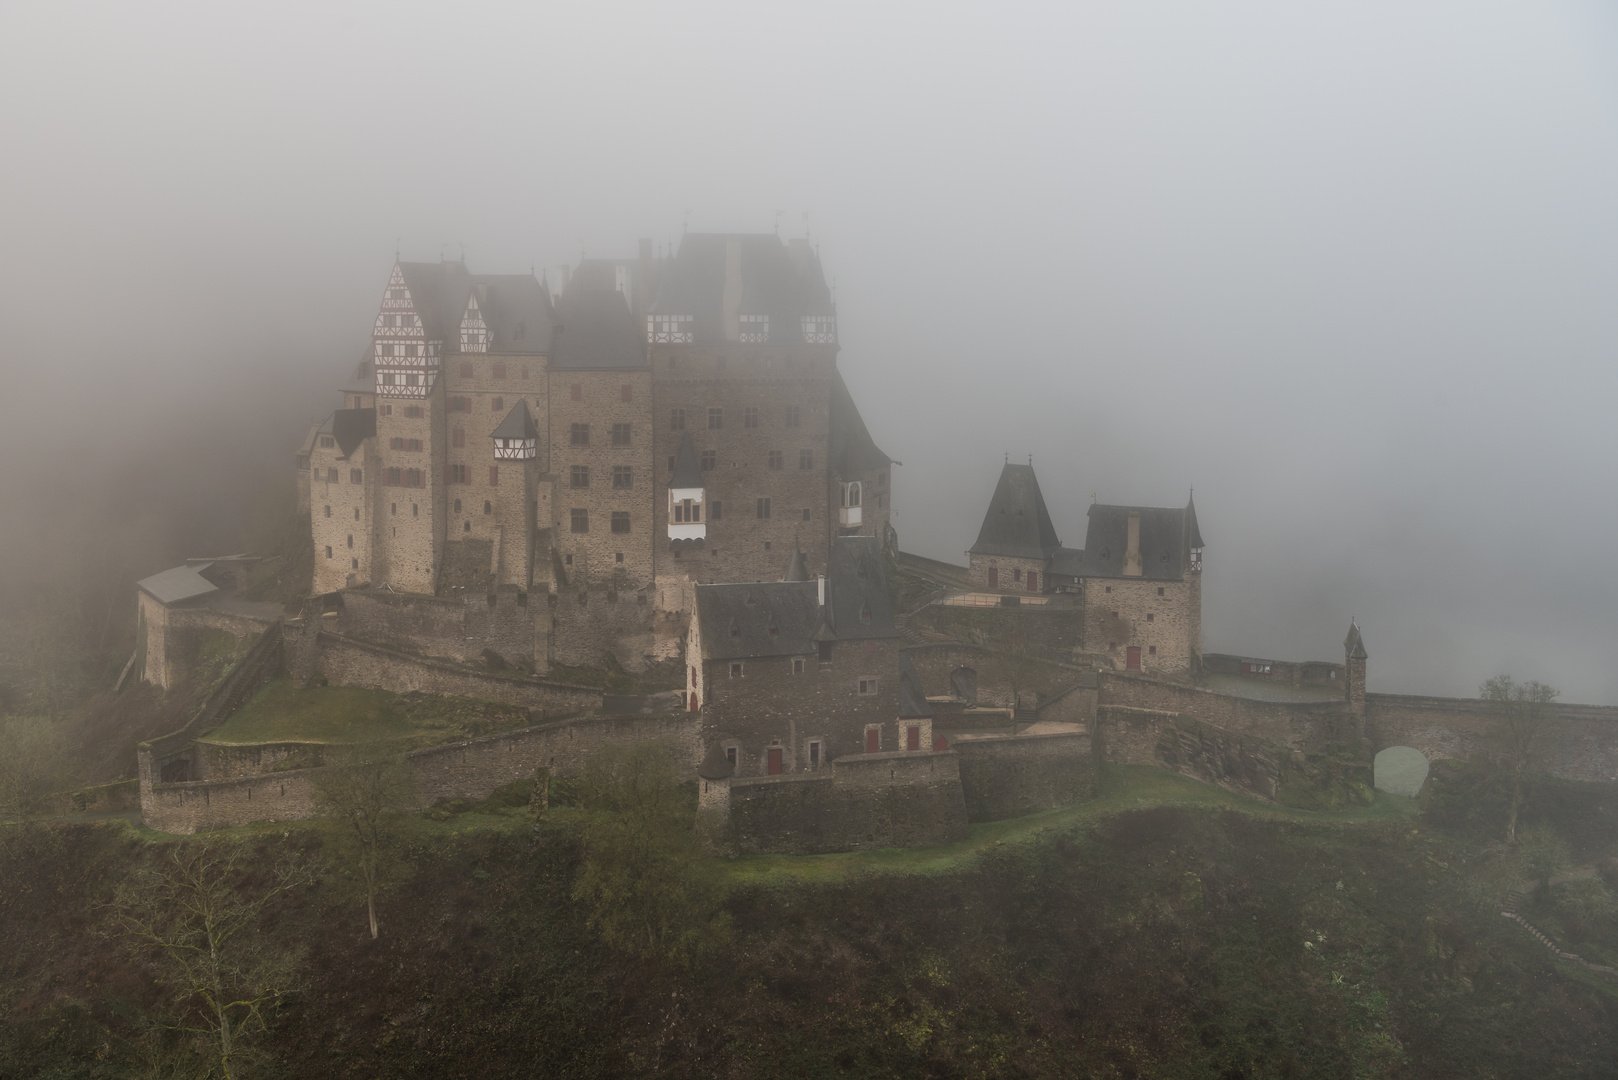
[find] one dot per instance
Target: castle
(659, 461)
(652, 424)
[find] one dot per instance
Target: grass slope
(1168, 930)
(348, 714)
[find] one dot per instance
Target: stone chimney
(1132, 563)
(1354, 657)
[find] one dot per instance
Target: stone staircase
(1510, 912)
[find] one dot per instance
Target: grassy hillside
(1170, 930)
(349, 714)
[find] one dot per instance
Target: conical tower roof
(1017, 524)
(797, 567)
(1353, 644)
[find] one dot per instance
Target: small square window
(763, 509)
(1150, 617)
(567, 560)
(797, 665)
(806, 513)
(623, 477)
(735, 671)
(716, 510)
(868, 686)
(618, 557)
(1151, 650)
(1109, 588)
(1160, 590)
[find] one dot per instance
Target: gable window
(775, 459)
(750, 417)
(763, 507)
(620, 434)
(622, 477)
(755, 329)
(716, 419)
(677, 420)
(327, 442)
(580, 476)
(579, 435)
(580, 520)
(792, 416)
(709, 457)
(620, 524)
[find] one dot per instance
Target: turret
(1354, 657)
(517, 436)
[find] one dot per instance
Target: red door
(912, 737)
(1132, 661)
(873, 740)
(775, 761)
(1033, 581)
(994, 577)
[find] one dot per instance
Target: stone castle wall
(858, 802)
(1580, 742)
(1161, 618)
(589, 622)
(1024, 774)
(598, 556)
(1307, 727)
(1127, 735)
(472, 769)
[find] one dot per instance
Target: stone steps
(1545, 939)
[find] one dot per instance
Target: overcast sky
(1347, 268)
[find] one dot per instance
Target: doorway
(1132, 658)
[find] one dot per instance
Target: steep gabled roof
(518, 424)
(850, 447)
(351, 427)
(596, 331)
(1017, 524)
(517, 310)
(1164, 553)
(687, 469)
(438, 292)
(756, 272)
(785, 618)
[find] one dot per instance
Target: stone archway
(1400, 770)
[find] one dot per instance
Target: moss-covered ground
(348, 714)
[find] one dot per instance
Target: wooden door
(775, 761)
(1033, 581)
(994, 577)
(873, 740)
(913, 737)
(1132, 662)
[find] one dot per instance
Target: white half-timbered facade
(405, 361)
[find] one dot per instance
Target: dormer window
(474, 331)
(670, 329)
(755, 329)
(819, 330)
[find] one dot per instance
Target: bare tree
(1525, 711)
(194, 915)
(364, 791)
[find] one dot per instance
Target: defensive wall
(1130, 735)
(1011, 776)
(1308, 727)
(470, 769)
(174, 635)
(1580, 742)
(995, 673)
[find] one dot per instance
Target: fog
(1347, 269)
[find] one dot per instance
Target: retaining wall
(1580, 742)
(1304, 726)
(471, 769)
(861, 801)
(1012, 776)
(1134, 736)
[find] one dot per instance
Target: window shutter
(494, 475)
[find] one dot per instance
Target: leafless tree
(193, 913)
(1525, 712)
(364, 791)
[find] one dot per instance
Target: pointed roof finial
(396, 242)
(1030, 461)
(1007, 455)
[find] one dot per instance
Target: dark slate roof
(784, 618)
(1193, 535)
(363, 381)
(850, 448)
(1163, 551)
(687, 469)
(518, 424)
(515, 307)
(596, 331)
(517, 310)
(351, 427)
(307, 447)
(1354, 645)
(716, 766)
(1017, 524)
(912, 702)
(797, 568)
(781, 280)
(178, 583)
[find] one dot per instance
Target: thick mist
(1347, 271)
